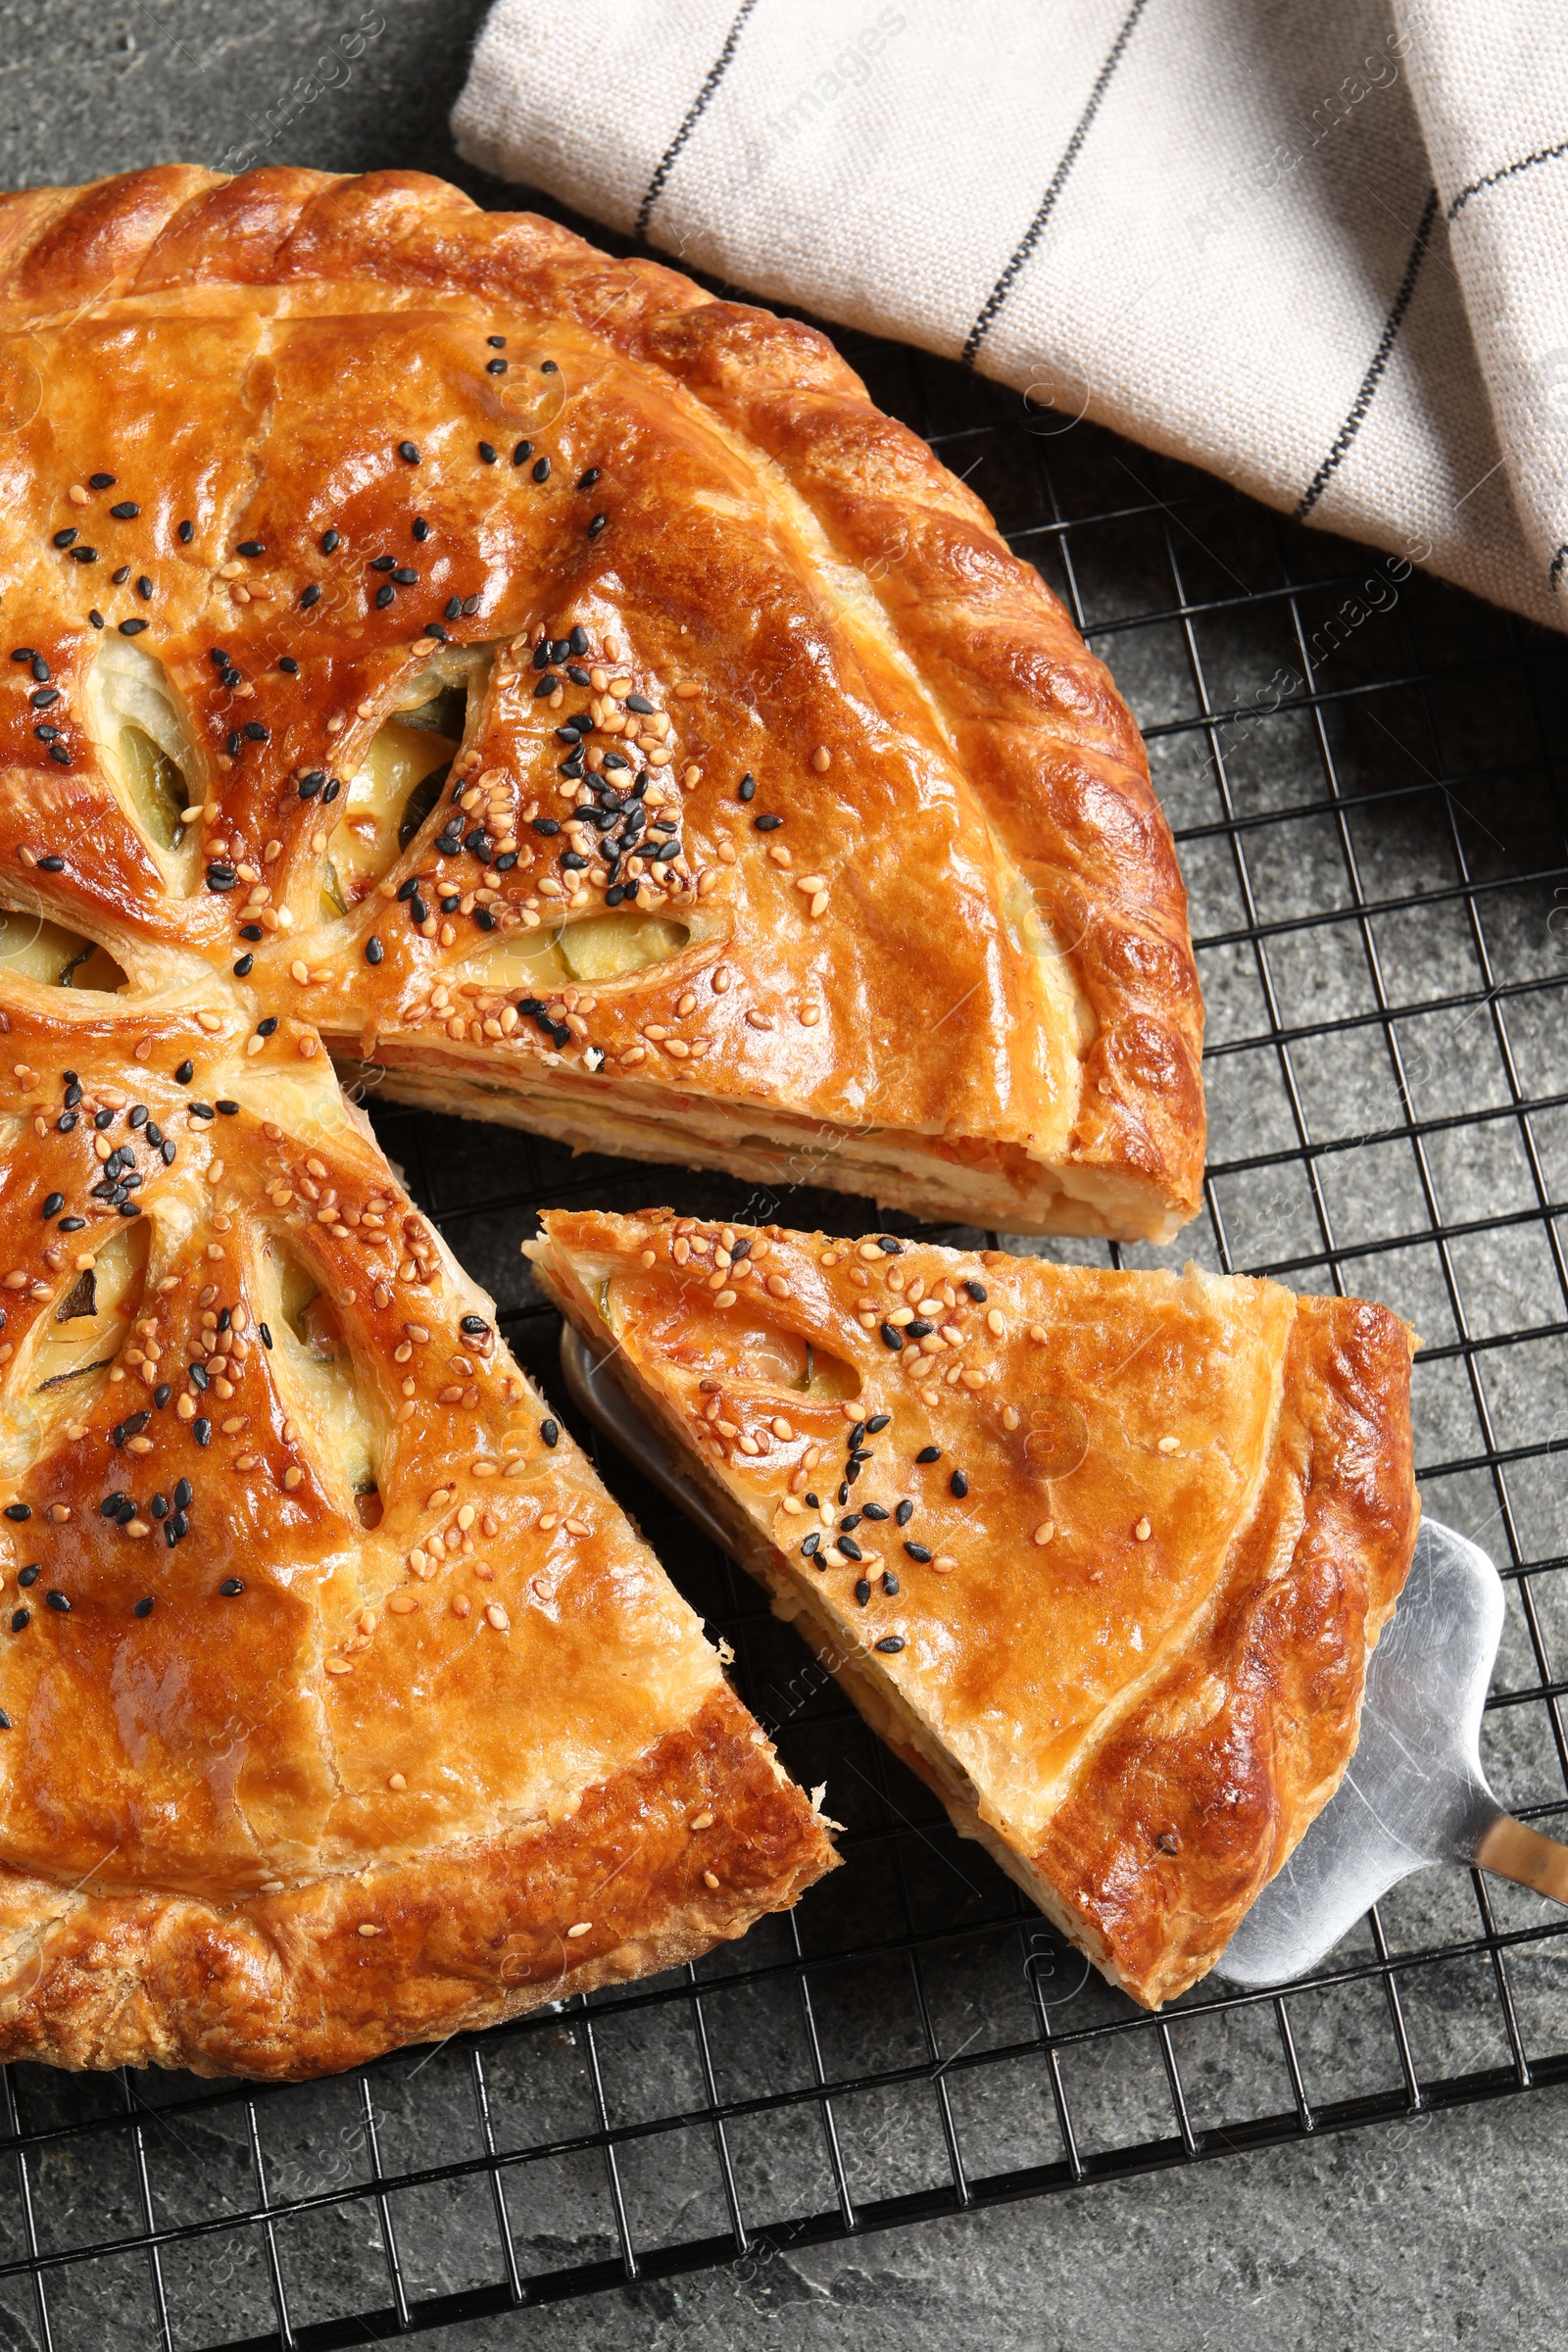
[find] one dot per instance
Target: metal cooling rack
(1359, 769)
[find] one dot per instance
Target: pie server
(1414, 1794)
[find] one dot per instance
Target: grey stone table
(1382, 1145)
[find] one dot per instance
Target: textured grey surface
(1446, 2231)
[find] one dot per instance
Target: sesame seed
(1045, 1530)
(1143, 1531)
(550, 1432)
(541, 470)
(126, 511)
(408, 452)
(232, 1586)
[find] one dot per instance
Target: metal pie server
(1414, 1795)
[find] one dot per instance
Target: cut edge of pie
(1142, 1801)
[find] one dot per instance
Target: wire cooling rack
(1360, 769)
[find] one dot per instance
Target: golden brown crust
(341, 1970)
(984, 1002)
(1163, 1524)
(314, 1618)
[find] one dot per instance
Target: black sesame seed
(257, 732)
(19, 1510)
(101, 481)
(977, 1292)
(250, 547)
(862, 1587)
(54, 1203)
(487, 456)
(522, 452)
(97, 620)
(885, 1242)
(310, 785)
(202, 1431)
(929, 1453)
(230, 1586)
(891, 1643)
(373, 951)
(958, 1485)
(243, 968)
(550, 1431)
(767, 824)
(184, 1074)
(891, 1336)
(229, 1109)
(251, 931)
(30, 1576)
(310, 595)
(162, 1394)
(126, 511)
(812, 1544)
(144, 1608)
(131, 628)
(877, 1423)
(288, 666)
(422, 529)
(408, 452)
(385, 594)
(418, 912)
(267, 1027)
(496, 342)
(920, 1329)
(917, 1551)
(333, 788)
(187, 532)
(20, 1618)
(454, 608)
(586, 481)
(202, 1111)
(233, 742)
(850, 1549)
(406, 577)
(58, 1602)
(495, 367)
(102, 1119)
(747, 787)
(67, 538)
(573, 862)
(382, 562)
(331, 541)
(85, 555)
(470, 604)
(541, 470)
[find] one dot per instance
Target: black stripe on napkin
(715, 75)
(1380, 359)
(1032, 235)
(1526, 163)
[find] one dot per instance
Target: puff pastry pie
(340, 1707)
(1102, 1555)
(565, 692)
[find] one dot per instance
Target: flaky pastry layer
(1118, 1546)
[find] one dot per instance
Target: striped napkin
(1321, 251)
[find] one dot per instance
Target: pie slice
(1101, 1555)
(570, 695)
(340, 1707)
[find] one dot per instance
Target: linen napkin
(1321, 251)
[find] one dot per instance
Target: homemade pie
(1102, 1555)
(569, 695)
(340, 1707)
